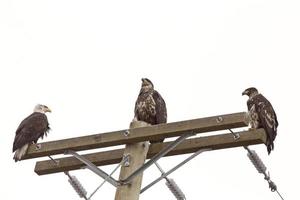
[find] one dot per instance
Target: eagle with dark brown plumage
(150, 107)
(262, 115)
(32, 128)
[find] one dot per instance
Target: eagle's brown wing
(160, 107)
(161, 111)
(30, 130)
(268, 119)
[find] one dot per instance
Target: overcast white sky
(84, 59)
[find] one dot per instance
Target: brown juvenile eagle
(262, 115)
(150, 107)
(32, 128)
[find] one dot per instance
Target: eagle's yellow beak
(48, 110)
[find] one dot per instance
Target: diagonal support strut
(127, 180)
(94, 168)
(174, 169)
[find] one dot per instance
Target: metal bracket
(155, 158)
(126, 159)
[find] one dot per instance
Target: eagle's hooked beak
(143, 79)
(48, 110)
(245, 92)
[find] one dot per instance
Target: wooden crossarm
(214, 142)
(155, 132)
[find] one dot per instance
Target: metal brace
(235, 135)
(174, 169)
(126, 160)
(91, 166)
(171, 184)
(55, 162)
(127, 180)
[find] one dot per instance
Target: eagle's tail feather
(270, 147)
(20, 152)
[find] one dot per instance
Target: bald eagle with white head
(150, 107)
(262, 115)
(32, 128)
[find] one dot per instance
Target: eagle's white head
(147, 85)
(41, 108)
(251, 92)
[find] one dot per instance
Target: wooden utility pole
(137, 153)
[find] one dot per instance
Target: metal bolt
(38, 147)
(127, 132)
(219, 119)
(236, 136)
